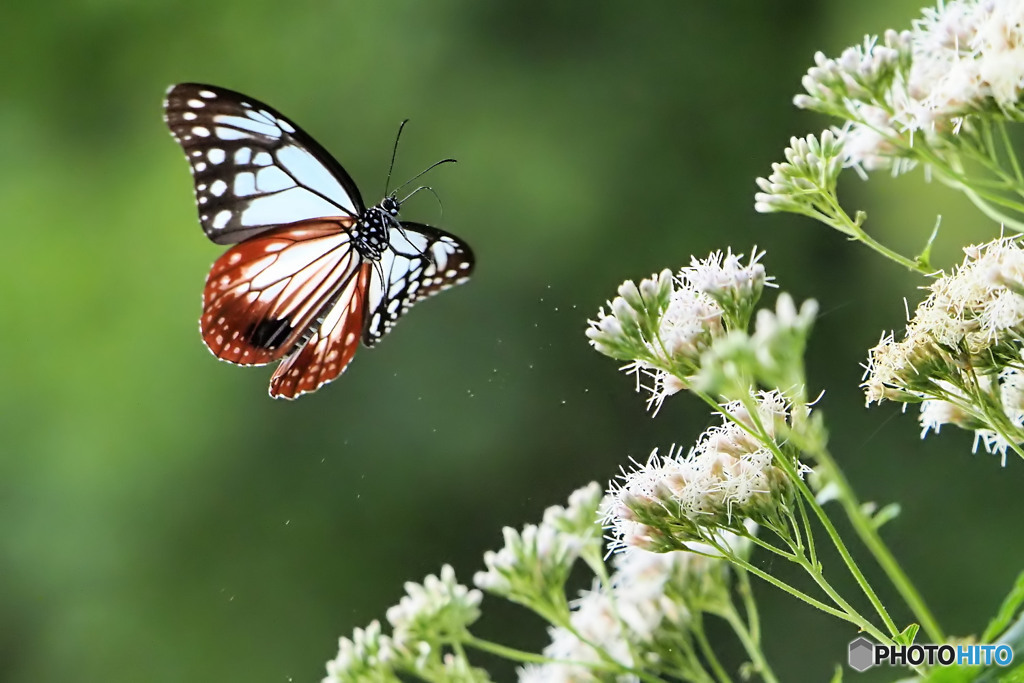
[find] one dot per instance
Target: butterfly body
(371, 231)
(312, 271)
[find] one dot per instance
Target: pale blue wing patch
(253, 169)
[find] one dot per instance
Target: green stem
(1011, 154)
(854, 619)
(514, 654)
(819, 578)
(805, 519)
(705, 647)
(749, 604)
(869, 535)
(751, 644)
(787, 465)
(840, 220)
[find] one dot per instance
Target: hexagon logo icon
(862, 654)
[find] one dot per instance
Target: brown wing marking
(263, 294)
(331, 347)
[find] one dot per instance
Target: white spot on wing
(230, 133)
(196, 104)
(208, 94)
(263, 159)
(218, 187)
(201, 131)
(221, 219)
(243, 155)
(216, 155)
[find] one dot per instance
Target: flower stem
(705, 647)
(751, 644)
(841, 221)
(869, 535)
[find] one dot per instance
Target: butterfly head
(390, 205)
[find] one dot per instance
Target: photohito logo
(864, 654)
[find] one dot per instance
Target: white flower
(869, 142)
(727, 477)
(725, 278)
(686, 328)
(962, 59)
(809, 173)
(578, 522)
(968, 53)
(555, 673)
(534, 564)
(936, 412)
(365, 656)
(440, 605)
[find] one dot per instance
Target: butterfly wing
(421, 262)
(331, 345)
(263, 296)
(253, 168)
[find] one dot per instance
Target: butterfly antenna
(428, 189)
(394, 154)
(432, 166)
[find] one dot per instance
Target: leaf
(924, 259)
(837, 677)
(908, 635)
(1007, 611)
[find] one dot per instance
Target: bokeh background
(162, 519)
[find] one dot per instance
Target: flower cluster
(940, 95)
(771, 356)
(961, 354)
(435, 612)
(640, 614)
(805, 181)
(663, 325)
(730, 476)
(647, 607)
(533, 566)
(961, 59)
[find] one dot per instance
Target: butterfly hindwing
(421, 262)
(252, 167)
(263, 295)
(331, 346)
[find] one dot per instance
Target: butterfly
(313, 271)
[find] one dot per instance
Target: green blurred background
(164, 520)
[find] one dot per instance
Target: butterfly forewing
(422, 261)
(331, 346)
(263, 295)
(253, 168)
